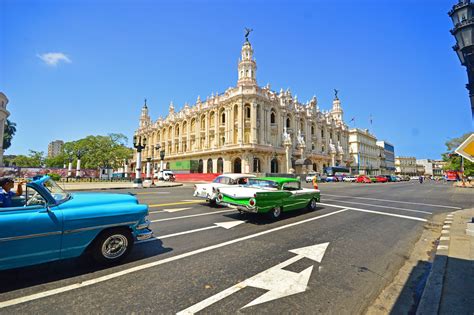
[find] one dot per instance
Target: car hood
(94, 199)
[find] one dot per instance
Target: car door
(291, 202)
(29, 234)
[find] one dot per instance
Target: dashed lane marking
(376, 212)
(114, 275)
(379, 206)
(153, 193)
(411, 203)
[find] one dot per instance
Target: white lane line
(411, 203)
(114, 275)
(447, 227)
(442, 247)
(445, 232)
(444, 238)
(156, 238)
(193, 215)
(376, 212)
(448, 221)
(378, 206)
(175, 209)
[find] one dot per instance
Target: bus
(336, 173)
(452, 175)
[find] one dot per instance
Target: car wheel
(275, 213)
(312, 204)
(213, 202)
(112, 246)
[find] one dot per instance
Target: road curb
(431, 298)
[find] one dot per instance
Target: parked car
(269, 195)
(381, 179)
(166, 175)
(311, 175)
(209, 191)
(350, 179)
(48, 223)
(363, 179)
(330, 178)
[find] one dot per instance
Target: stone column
(227, 165)
(126, 170)
(206, 136)
(214, 165)
(240, 134)
(253, 123)
(78, 168)
(69, 169)
(204, 166)
(333, 159)
(287, 157)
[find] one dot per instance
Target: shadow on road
(263, 218)
(20, 278)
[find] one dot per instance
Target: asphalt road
(360, 235)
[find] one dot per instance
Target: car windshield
(56, 191)
(260, 183)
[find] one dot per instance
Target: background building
(4, 113)
(55, 148)
(249, 129)
(432, 167)
(365, 152)
(387, 164)
(405, 166)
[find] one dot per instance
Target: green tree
(8, 133)
(33, 159)
(453, 161)
(97, 151)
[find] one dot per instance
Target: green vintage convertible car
(270, 195)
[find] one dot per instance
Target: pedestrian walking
(420, 179)
(315, 182)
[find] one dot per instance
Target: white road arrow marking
(230, 224)
(276, 280)
(225, 225)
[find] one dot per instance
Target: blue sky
(75, 68)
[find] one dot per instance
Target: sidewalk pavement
(450, 285)
(76, 186)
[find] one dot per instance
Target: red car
(363, 179)
(381, 179)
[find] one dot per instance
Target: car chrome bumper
(240, 208)
(144, 235)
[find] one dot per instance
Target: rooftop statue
(247, 32)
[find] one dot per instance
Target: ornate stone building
(249, 129)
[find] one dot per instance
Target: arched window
(274, 166)
(237, 165)
(220, 165)
(312, 130)
(247, 111)
(209, 166)
(223, 118)
(200, 166)
(272, 118)
(288, 122)
(322, 133)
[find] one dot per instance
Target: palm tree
(8, 133)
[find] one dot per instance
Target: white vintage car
(209, 191)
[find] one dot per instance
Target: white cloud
(53, 58)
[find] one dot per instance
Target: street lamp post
(462, 15)
(139, 143)
(157, 148)
(162, 157)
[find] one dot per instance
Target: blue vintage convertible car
(48, 223)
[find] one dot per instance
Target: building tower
(336, 110)
(144, 117)
(247, 66)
